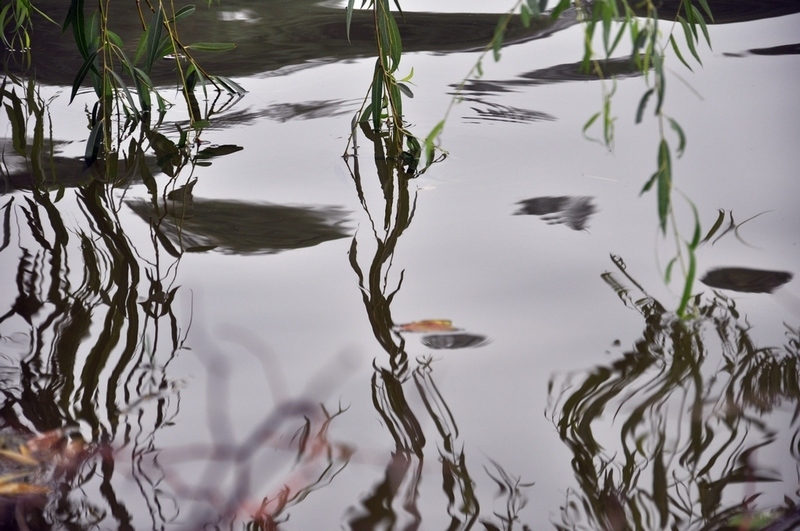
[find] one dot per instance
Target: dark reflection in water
(270, 35)
(619, 68)
(572, 211)
(494, 112)
(786, 49)
(392, 502)
(454, 341)
(309, 110)
(680, 431)
(746, 280)
(237, 227)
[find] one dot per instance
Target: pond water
(490, 344)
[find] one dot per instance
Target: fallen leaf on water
(19, 458)
(16, 489)
(429, 325)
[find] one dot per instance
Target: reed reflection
(683, 430)
(393, 502)
(93, 330)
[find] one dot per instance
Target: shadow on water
(235, 227)
(681, 431)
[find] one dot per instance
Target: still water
(489, 345)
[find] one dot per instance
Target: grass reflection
(682, 430)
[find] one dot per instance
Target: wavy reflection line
(692, 405)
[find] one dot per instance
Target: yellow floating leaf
(18, 489)
(429, 325)
(8, 478)
(19, 458)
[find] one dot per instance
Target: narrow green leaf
(405, 90)
(497, 40)
(668, 271)
(716, 226)
(689, 38)
(377, 96)
(697, 230)
(88, 64)
(349, 17)
(229, 85)
(649, 183)
(664, 184)
(153, 40)
(678, 52)
(143, 87)
(365, 115)
(525, 16)
(591, 121)
(688, 284)
(705, 7)
(93, 143)
(429, 142)
(211, 46)
(643, 105)
(115, 39)
(183, 12)
(701, 21)
(560, 8)
(661, 82)
(681, 136)
(124, 88)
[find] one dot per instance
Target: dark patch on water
(574, 212)
(746, 280)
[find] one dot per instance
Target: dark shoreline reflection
(275, 34)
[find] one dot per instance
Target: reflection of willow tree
(85, 333)
(692, 404)
(392, 504)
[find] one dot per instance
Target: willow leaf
(716, 226)
(88, 64)
(349, 16)
(664, 184)
(681, 136)
(678, 52)
(643, 105)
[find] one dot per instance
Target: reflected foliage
(682, 430)
(91, 322)
(393, 501)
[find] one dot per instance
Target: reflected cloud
(454, 341)
(746, 280)
(238, 227)
(572, 211)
